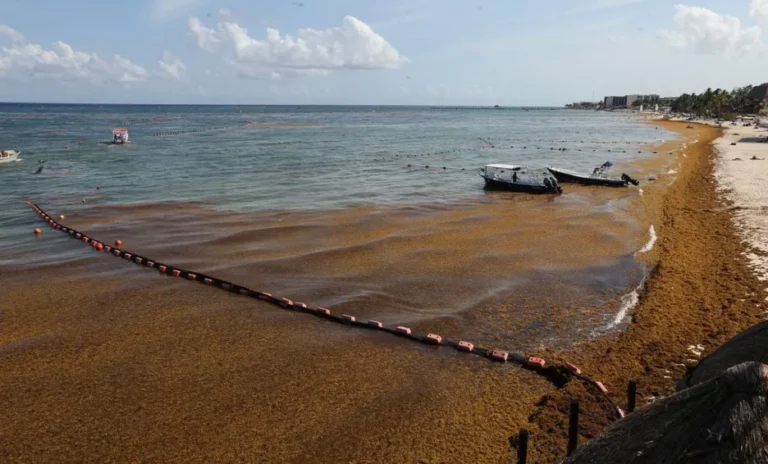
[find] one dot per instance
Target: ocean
(379, 209)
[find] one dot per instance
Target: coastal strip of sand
(701, 292)
(742, 172)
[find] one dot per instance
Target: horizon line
(279, 104)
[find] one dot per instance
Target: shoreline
(701, 292)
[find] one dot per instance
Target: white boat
(120, 136)
(517, 179)
(598, 177)
(9, 156)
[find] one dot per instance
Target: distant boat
(598, 177)
(515, 178)
(9, 156)
(120, 136)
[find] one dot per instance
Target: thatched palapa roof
(750, 345)
(723, 420)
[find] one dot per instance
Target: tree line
(653, 100)
(717, 103)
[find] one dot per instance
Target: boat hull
(584, 179)
(522, 187)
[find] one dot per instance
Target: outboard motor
(556, 185)
(632, 181)
(552, 186)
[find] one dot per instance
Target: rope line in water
(190, 131)
(559, 375)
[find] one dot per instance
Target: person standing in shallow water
(514, 177)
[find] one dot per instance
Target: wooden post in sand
(522, 447)
(631, 395)
(573, 427)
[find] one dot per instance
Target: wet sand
(104, 361)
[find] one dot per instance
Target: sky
(394, 52)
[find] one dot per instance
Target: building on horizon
(628, 101)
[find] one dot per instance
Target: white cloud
(11, 33)
(166, 9)
(171, 66)
(354, 45)
(759, 11)
(205, 37)
(703, 31)
(23, 60)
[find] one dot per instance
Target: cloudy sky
(507, 52)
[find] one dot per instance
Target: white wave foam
(631, 299)
(652, 241)
(628, 302)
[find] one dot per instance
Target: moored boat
(517, 178)
(9, 156)
(598, 177)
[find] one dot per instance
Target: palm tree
(720, 101)
(697, 103)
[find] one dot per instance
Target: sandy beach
(743, 183)
(702, 292)
(124, 365)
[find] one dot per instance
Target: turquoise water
(330, 157)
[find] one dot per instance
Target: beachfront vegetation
(653, 100)
(717, 103)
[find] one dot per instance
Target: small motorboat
(120, 136)
(517, 178)
(9, 156)
(598, 177)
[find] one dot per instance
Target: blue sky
(484, 52)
